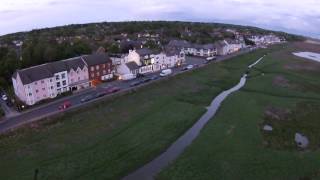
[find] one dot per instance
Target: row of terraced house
(47, 81)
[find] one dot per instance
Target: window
(42, 82)
(64, 83)
(63, 76)
(44, 96)
(30, 94)
(78, 71)
(58, 84)
(79, 78)
(92, 75)
(92, 68)
(98, 74)
(104, 72)
(72, 80)
(50, 80)
(57, 77)
(104, 66)
(37, 90)
(51, 87)
(35, 83)
(97, 67)
(43, 89)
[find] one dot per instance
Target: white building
(143, 61)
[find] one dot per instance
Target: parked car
(135, 83)
(184, 69)
(127, 77)
(110, 90)
(88, 98)
(140, 75)
(145, 80)
(4, 97)
(100, 94)
(154, 77)
(211, 58)
(165, 72)
(65, 105)
(196, 65)
(190, 66)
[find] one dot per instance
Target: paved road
(50, 109)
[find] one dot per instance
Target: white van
(127, 77)
(211, 58)
(165, 72)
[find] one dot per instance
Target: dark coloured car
(145, 80)
(135, 83)
(111, 90)
(140, 75)
(87, 98)
(65, 105)
(155, 77)
(100, 94)
(184, 69)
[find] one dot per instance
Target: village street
(52, 108)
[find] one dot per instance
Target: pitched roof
(74, 63)
(56, 67)
(96, 59)
(144, 51)
(179, 43)
(171, 52)
(35, 73)
(132, 65)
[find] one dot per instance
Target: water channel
(151, 169)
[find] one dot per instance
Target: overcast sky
(296, 16)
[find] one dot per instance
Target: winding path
(151, 169)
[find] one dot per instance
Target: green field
(282, 91)
(110, 139)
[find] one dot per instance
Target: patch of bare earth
(281, 82)
(275, 113)
(303, 66)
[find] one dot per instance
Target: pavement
(14, 120)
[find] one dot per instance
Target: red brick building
(100, 67)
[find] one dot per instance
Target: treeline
(51, 44)
(34, 52)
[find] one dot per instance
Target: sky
(293, 16)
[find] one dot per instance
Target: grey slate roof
(179, 44)
(144, 51)
(35, 73)
(74, 63)
(48, 70)
(96, 59)
(171, 52)
(132, 65)
(56, 67)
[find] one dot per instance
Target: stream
(151, 169)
